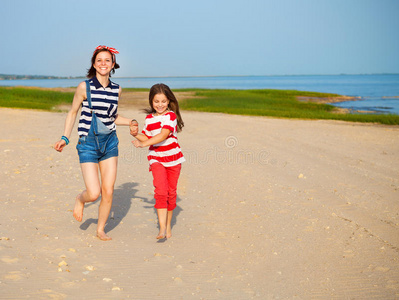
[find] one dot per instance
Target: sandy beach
(267, 209)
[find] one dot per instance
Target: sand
(267, 209)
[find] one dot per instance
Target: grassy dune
(33, 98)
(272, 103)
(276, 103)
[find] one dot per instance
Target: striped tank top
(167, 152)
(104, 101)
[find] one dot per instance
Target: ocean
(378, 93)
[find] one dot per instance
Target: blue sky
(201, 38)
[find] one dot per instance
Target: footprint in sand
(382, 269)
(50, 294)
(9, 260)
(15, 276)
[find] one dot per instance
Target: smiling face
(160, 103)
(103, 63)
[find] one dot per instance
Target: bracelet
(133, 120)
(65, 139)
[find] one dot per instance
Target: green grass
(33, 98)
(274, 103)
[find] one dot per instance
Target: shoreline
(328, 100)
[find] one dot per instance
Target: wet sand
(267, 209)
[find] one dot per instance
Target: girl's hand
(137, 144)
(59, 146)
(134, 128)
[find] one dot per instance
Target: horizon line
(199, 76)
(204, 76)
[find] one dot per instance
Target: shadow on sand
(176, 212)
(121, 204)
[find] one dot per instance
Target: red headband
(112, 50)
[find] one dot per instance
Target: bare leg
(168, 224)
(162, 218)
(173, 176)
(108, 170)
(92, 183)
(78, 209)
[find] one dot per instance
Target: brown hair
(92, 71)
(161, 88)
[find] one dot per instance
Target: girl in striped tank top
(165, 157)
(98, 143)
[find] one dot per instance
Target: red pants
(165, 183)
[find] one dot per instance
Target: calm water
(379, 93)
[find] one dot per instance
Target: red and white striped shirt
(167, 152)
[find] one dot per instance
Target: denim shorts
(95, 148)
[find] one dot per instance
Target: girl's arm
(119, 120)
(141, 137)
(163, 135)
(78, 98)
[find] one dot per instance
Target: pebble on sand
(63, 263)
(178, 280)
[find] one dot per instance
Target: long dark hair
(161, 88)
(92, 72)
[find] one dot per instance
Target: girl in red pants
(160, 134)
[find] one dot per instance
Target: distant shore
(17, 77)
(30, 77)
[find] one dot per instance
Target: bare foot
(161, 235)
(102, 236)
(78, 209)
(168, 233)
